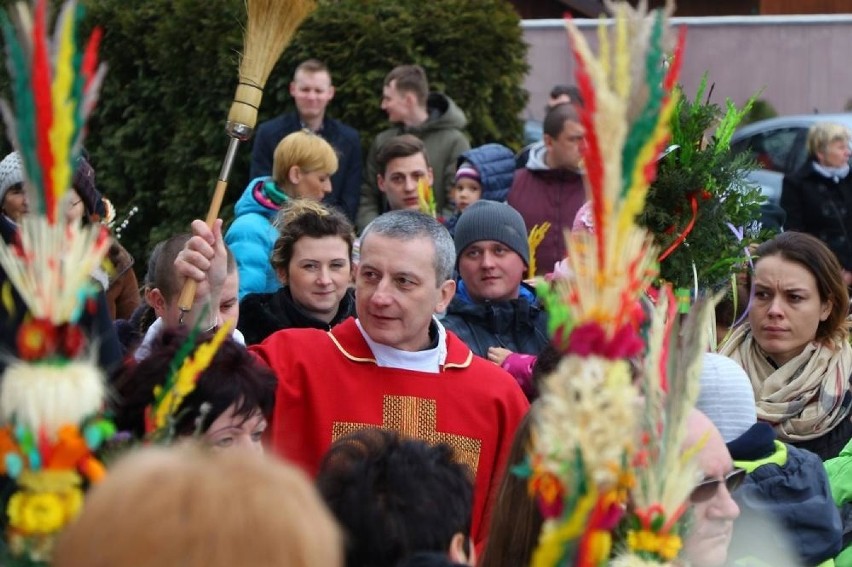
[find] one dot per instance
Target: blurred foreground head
(182, 506)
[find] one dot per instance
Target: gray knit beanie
(11, 173)
(489, 220)
(726, 396)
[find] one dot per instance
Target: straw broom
(270, 26)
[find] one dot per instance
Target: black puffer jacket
(519, 325)
(262, 314)
(820, 206)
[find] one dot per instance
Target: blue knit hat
(489, 220)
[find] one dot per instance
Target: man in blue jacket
(312, 90)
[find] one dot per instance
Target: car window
(771, 150)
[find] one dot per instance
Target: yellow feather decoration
(63, 128)
(187, 377)
(536, 236)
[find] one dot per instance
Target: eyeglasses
(707, 488)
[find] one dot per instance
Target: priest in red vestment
(395, 366)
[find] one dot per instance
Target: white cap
(11, 173)
(726, 396)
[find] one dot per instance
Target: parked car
(533, 131)
(778, 147)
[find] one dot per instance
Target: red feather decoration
(90, 57)
(43, 106)
(593, 159)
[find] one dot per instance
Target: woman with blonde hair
(795, 345)
(312, 258)
(818, 197)
(301, 169)
(184, 507)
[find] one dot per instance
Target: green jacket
(445, 140)
(839, 471)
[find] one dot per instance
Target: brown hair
(556, 117)
(301, 218)
(810, 253)
(161, 265)
(410, 79)
(181, 506)
(399, 147)
(515, 518)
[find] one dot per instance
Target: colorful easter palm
(51, 395)
(592, 439)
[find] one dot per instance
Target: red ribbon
(693, 204)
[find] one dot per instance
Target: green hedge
(157, 137)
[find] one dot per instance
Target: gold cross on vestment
(416, 418)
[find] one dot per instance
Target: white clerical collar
(429, 360)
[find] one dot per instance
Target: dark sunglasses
(707, 488)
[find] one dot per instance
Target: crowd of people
(391, 358)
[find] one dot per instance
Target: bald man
(713, 508)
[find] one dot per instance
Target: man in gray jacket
(432, 117)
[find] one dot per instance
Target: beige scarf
(804, 398)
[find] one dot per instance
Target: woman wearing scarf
(818, 197)
(795, 345)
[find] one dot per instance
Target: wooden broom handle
(187, 294)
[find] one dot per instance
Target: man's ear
(447, 291)
(282, 275)
(380, 182)
(293, 88)
(462, 550)
(331, 92)
(154, 297)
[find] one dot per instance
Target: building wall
(800, 62)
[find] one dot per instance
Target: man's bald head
(706, 544)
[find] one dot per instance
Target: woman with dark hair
(795, 345)
(312, 258)
(229, 407)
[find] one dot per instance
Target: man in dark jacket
(432, 117)
(788, 516)
(494, 312)
(312, 90)
(550, 187)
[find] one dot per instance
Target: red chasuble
(330, 385)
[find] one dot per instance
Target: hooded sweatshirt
(445, 140)
(542, 194)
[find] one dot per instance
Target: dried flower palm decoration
(50, 397)
(589, 445)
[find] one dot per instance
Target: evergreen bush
(701, 197)
(157, 137)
